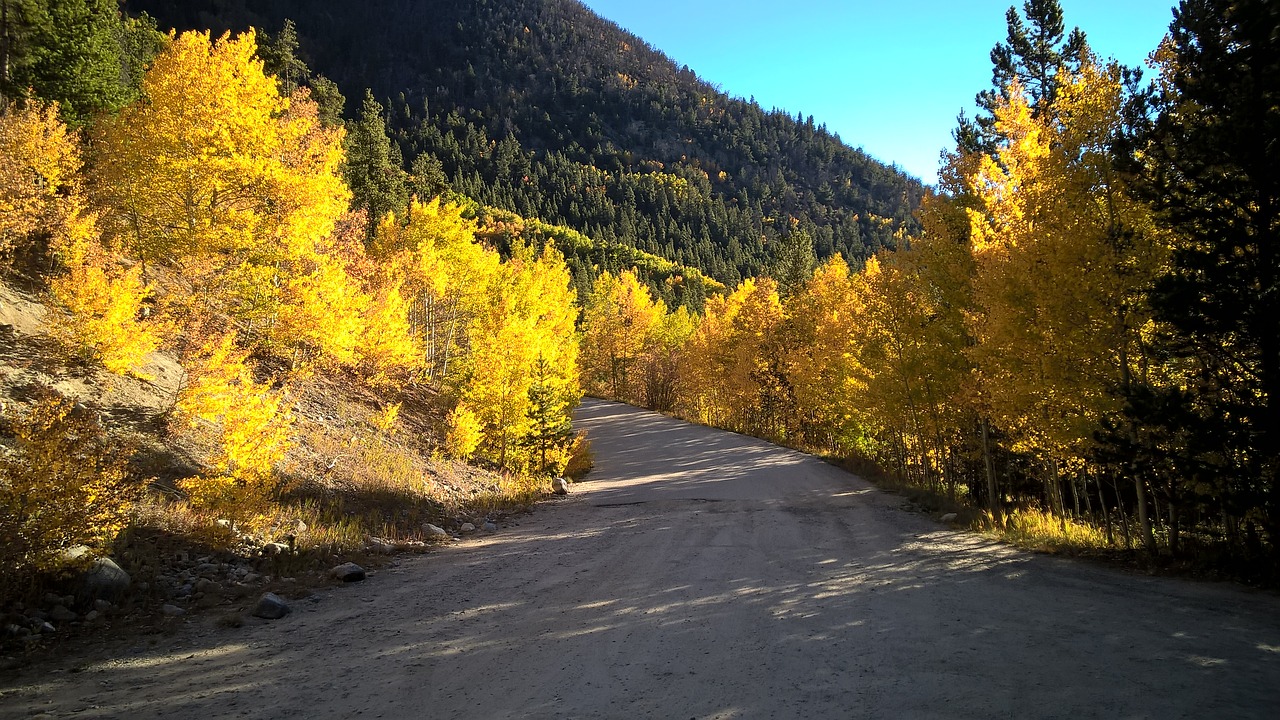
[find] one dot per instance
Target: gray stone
(271, 607)
(75, 552)
(949, 517)
(103, 580)
(172, 611)
(61, 614)
(252, 577)
(208, 586)
(102, 605)
(489, 527)
(381, 546)
(46, 627)
(274, 548)
(560, 486)
(467, 528)
(349, 572)
(434, 531)
(14, 630)
(92, 616)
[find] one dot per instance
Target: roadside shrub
(63, 483)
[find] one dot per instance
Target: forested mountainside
(545, 109)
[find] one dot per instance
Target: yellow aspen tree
(39, 174)
(890, 354)
(250, 425)
(619, 320)
(822, 363)
(734, 371)
(41, 194)
(63, 483)
(214, 174)
(323, 313)
(104, 301)
(1059, 272)
(663, 357)
(443, 274)
(701, 373)
(529, 320)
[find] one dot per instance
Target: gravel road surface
(702, 574)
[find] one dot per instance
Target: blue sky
(888, 76)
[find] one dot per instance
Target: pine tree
(280, 58)
(795, 262)
(376, 180)
(550, 426)
(1208, 161)
(1033, 54)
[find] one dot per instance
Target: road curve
(702, 574)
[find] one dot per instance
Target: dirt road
(707, 575)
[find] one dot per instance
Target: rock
(92, 616)
(61, 614)
(381, 546)
(46, 627)
(252, 577)
(271, 607)
(208, 586)
(560, 486)
(349, 572)
(172, 611)
(14, 630)
(949, 517)
(489, 527)
(274, 548)
(75, 552)
(103, 580)
(467, 528)
(101, 605)
(434, 531)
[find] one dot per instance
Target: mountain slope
(543, 108)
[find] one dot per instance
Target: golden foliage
(214, 174)
(464, 434)
(39, 181)
(733, 373)
(104, 301)
(63, 484)
(620, 320)
(252, 429)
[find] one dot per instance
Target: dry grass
(1036, 529)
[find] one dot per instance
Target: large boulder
(104, 580)
(349, 572)
(271, 607)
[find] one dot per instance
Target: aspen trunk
(988, 464)
(1144, 518)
